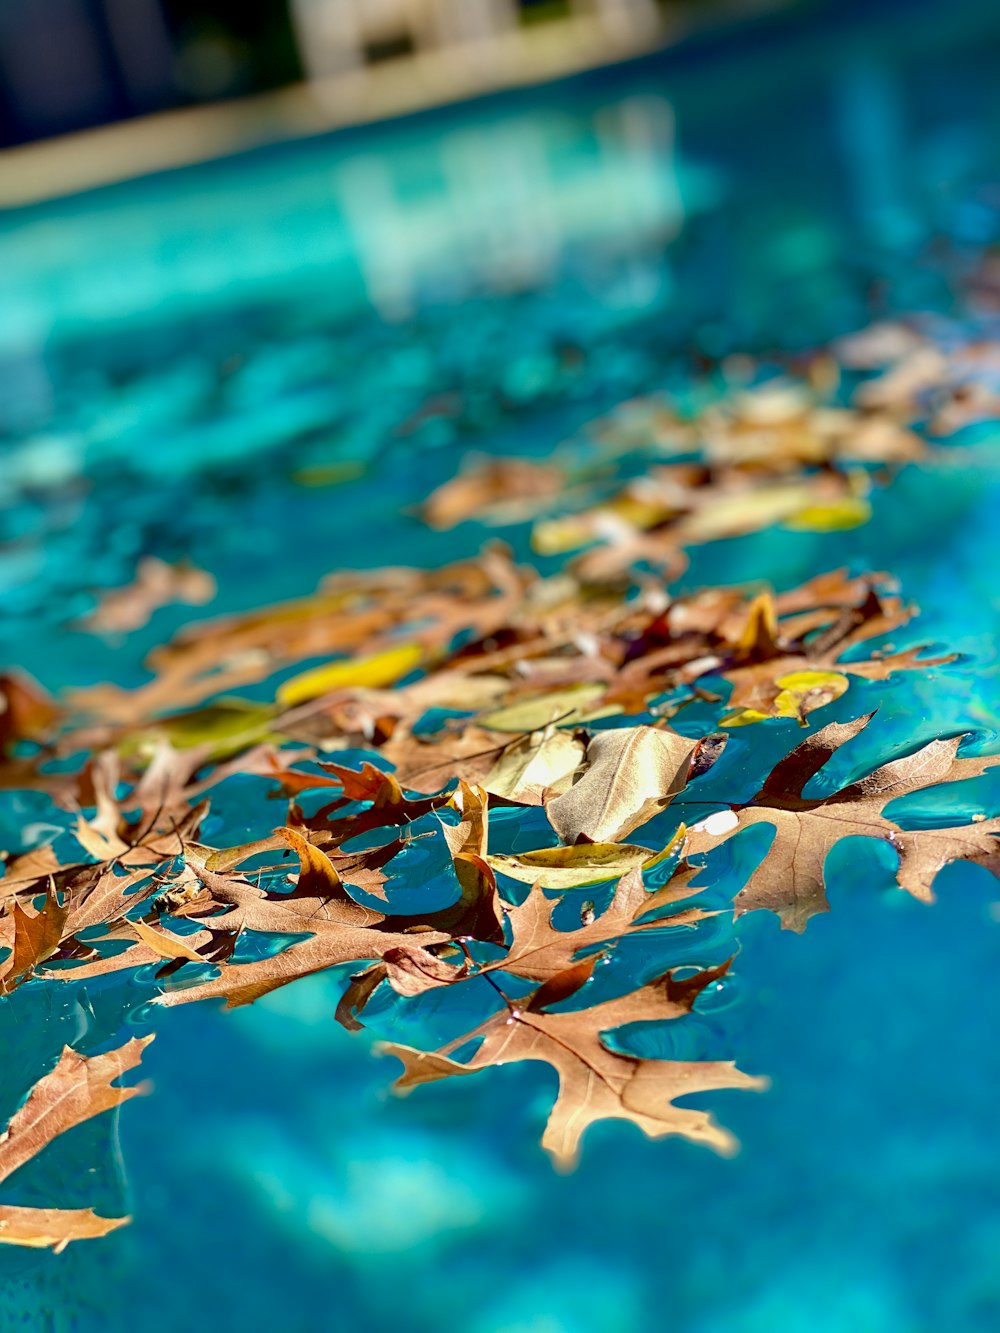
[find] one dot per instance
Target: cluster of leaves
(478, 686)
(669, 475)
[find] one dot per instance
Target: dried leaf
(78, 1088)
(790, 880)
(632, 774)
(578, 865)
(595, 1082)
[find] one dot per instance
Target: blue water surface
(263, 365)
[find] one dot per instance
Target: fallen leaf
(790, 880)
(631, 775)
(576, 866)
(595, 1082)
(78, 1088)
(535, 765)
(156, 584)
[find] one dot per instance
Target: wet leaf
(537, 764)
(562, 706)
(78, 1088)
(368, 672)
(790, 880)
(576, 866)
(631, 775)
(595, 1082)
(156, 584)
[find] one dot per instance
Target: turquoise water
(176, 352)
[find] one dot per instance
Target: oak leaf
(595, 1082)
(790, 880)
(78, 1088)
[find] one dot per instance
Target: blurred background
(70, 64)
(268, 272)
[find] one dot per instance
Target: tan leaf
(44, 1228)
(595, 1082)
(632, 774)
(156, 584)
(790, 880)
(538, 763)
(578, 865)
(165, 946)
(78, 1088)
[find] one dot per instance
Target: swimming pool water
(183, 355)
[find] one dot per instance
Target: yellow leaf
(535, 764)
(226, 727)
(373, 673)
(748, 511)
(850, 512)
(329, 474)
(582, 864)
(166, 946)
(556, 536)
(800, 692)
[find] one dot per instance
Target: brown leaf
(44, 1228)
(26, 711)
(36, 937)
(632, 774)
(504, 489)
(538, 950)
(78, 1088)
(412, 971)
(330, 945)
(595, 1082)
(790, 880)
(156, 584)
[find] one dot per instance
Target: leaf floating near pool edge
(507, 670)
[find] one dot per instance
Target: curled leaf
(631, 775)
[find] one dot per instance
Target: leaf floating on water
(156, 584)
(538, 950)
(836, 516)
(567, 706)
(595, 1082)
(471, 690)
(495, 488)
(78, 1088)
(790, 880)
(576, 866)
(169, 947)
(53, 1228)
(539, 763)
(799, 693)
(367, 672)
(36, 937)
(631, 775)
